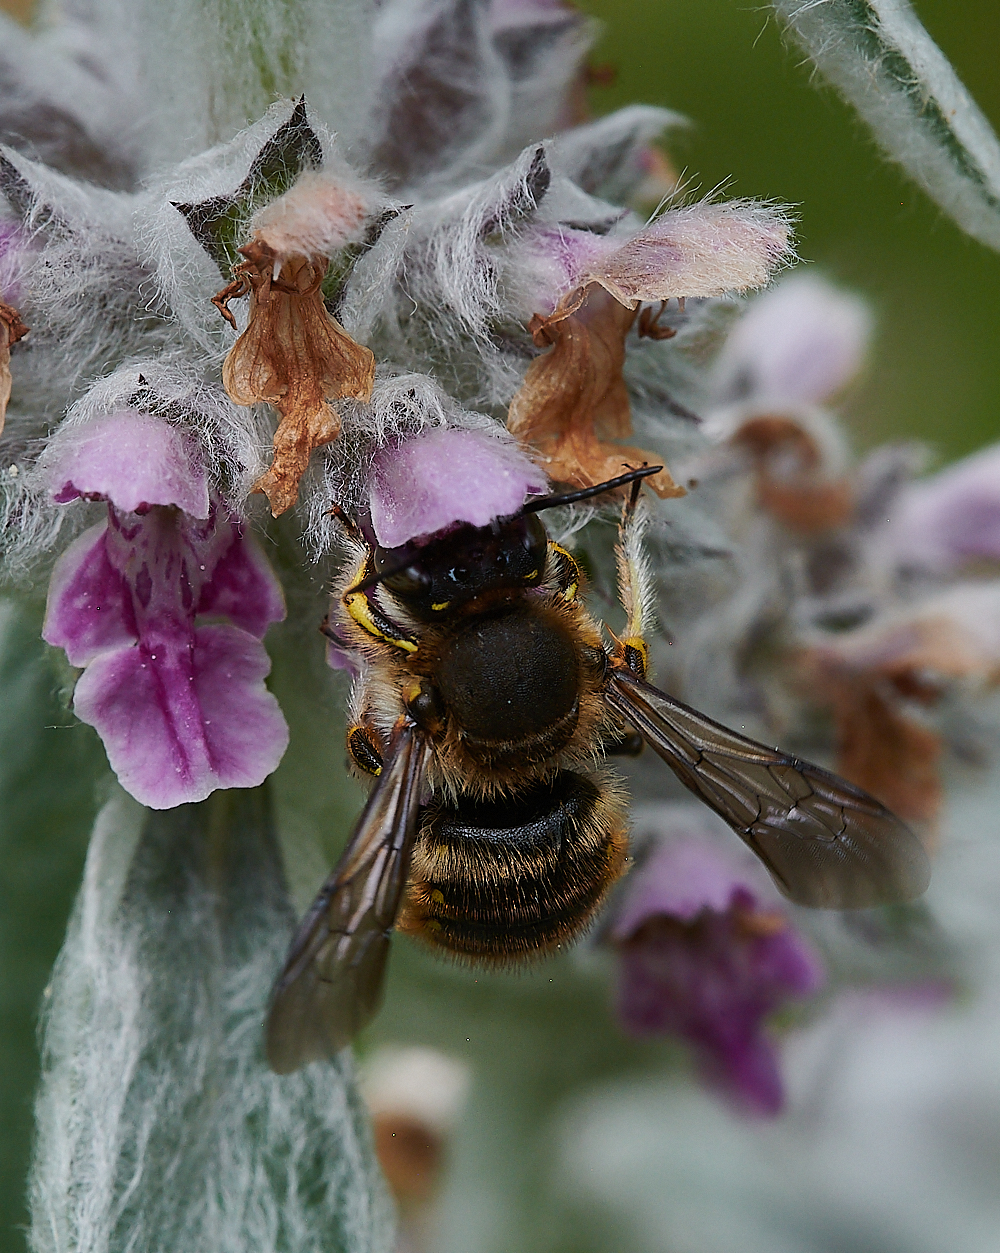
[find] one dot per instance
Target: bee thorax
(510, 677)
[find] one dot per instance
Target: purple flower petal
(445, 476)
(557, 260)
(89, 607)
(181, 707)
(700, 250)
(518, 13)
(339, 657)
(703, 959)
(796, 345)
(187, 718)
(680, 879)
(951, 517)
(242, 587)
(128, 458)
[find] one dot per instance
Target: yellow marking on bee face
(360, 610)
(432, 924)
(437, 897)
(532, 575)
(443, 605)
(572, 590)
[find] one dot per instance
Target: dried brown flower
(885, 750)
(791, 483)
(293, 355)
(11, 330)
(573, 404)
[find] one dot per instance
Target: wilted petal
(11, 330)
(11, 327)
(797, 482)
(884, 749)
(128, 458)
(798, 344)
(444, 476)
(702, 250)
(295, 356)
(414, 1096)
(183, 717)
(573, 402)
(876, 675)
(702, 958)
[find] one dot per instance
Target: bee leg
(635, 585)
(347, 522)
(566, 573)
(363, 749)
(326, 628)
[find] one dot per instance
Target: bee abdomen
(507, 880)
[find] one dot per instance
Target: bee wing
(825, 842)
(332, 982)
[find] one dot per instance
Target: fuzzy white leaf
(880, 58)
(160, 1127)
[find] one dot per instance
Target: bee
(488, 702)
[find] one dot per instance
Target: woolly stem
(160, 1127)
(882, 61)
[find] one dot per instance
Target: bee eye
(409, 582)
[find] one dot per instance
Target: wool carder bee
(488, 703)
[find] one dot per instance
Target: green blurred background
(760, 124)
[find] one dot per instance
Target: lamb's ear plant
(880, 58)
(248, 249)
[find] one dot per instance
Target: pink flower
(164, 605)
(798, 344)
(445, 476)
(950, 518)
(707, 953)
(698, 251)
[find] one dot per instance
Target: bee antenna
(585, 493)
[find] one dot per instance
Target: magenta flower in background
(446, 475)
(164, 605)
(707, 953)
(951, 518)
(797, 344)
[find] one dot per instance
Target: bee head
(433, 575)
(453, 567)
